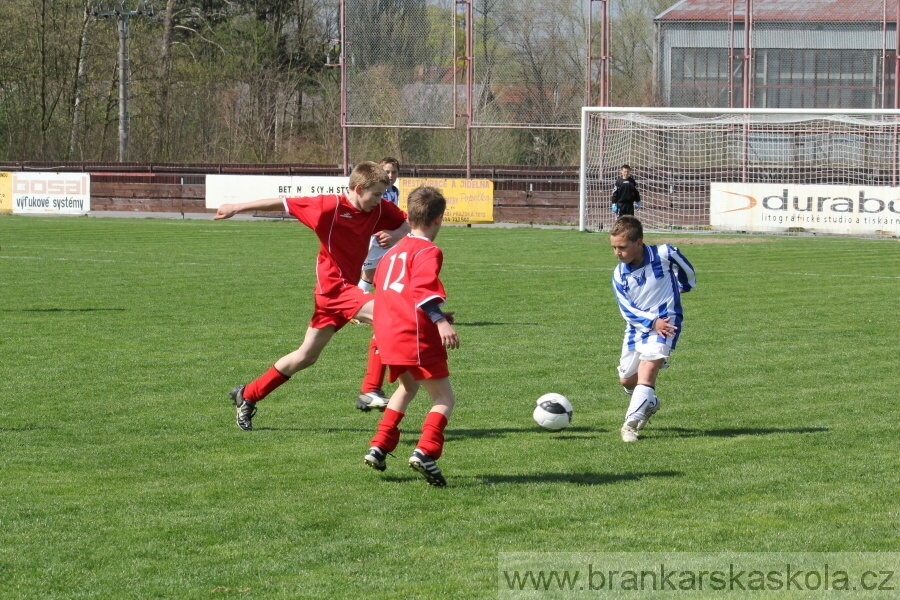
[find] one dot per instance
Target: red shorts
(338, 307)
(419, 372)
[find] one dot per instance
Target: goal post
(684, 159)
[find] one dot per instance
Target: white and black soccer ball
(553, 412)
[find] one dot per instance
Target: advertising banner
(842, 209)
(231, 189)
(5, 191)
(51, 193)
(468, 200)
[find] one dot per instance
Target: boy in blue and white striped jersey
(648, 283)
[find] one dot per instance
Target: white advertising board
(232, 189)
(51, 193)
(843, 209)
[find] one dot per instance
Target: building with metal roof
(778, 54)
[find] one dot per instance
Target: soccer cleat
(647, 414)
(369, 400)
(629, 433)
(245, 409)
(427, 467)
(375, 458)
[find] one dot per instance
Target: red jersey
(344, 232)
(406, 278)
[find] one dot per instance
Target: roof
(783, 10)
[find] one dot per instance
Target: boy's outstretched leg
(246, 396)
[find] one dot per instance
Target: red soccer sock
(374, 379)
(432, 440)
(388, 435)
(263, 385)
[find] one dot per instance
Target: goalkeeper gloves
(614, 208)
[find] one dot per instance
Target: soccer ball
(553, 412)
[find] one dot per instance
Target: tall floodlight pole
(123, 11)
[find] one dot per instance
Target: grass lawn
(124, 474)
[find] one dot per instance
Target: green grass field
(124, 475)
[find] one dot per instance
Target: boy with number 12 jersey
(413, 335)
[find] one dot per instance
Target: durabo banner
(845, 209)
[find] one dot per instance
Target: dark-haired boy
(648, 283)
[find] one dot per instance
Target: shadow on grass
(25, 428)
(491, 324)
(52, 310)
(369, 430)
(733, 432)
(568, 433)
(574, 478)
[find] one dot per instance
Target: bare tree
(80, 77)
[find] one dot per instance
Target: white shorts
(376, 252)
(631, 359)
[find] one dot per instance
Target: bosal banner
(844, 209)
(50, 193)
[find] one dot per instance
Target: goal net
(676, 155)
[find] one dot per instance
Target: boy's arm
(387, 238)
(443, 320)
(226, 211)
(687, 279)
(448, 335)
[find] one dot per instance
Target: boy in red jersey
(413, 335)
(344, 225)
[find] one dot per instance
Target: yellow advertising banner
(5, 191)
(468, 200)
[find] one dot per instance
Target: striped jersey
(653, 290)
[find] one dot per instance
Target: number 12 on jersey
(395, 284)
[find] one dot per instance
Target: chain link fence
(400, 62)
(530, 62)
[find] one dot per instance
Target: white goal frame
(676, 153)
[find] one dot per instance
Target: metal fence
(399, 58)
(778, 54)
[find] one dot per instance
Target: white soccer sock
(642, 399)
(364, 285)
